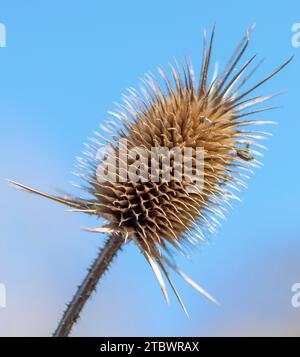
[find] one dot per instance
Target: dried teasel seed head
(175, 112)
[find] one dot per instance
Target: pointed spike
(66, 201)
(158, 275)
(198, 287)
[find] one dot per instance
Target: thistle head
(210, 117)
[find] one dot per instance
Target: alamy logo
(138, 164)
(296, 297)
(2, 295)
(296, 36)
(2, 35)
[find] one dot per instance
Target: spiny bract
(181, 113)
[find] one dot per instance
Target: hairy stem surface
(84, 291)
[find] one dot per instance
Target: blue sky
(64, 65)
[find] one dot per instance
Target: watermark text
(2, 295)
(296, 296)
(2, 35)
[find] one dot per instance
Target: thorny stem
(84, 291)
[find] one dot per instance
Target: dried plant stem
(84, 291)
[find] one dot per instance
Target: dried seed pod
(160, 214)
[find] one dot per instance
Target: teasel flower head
(176, 111)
